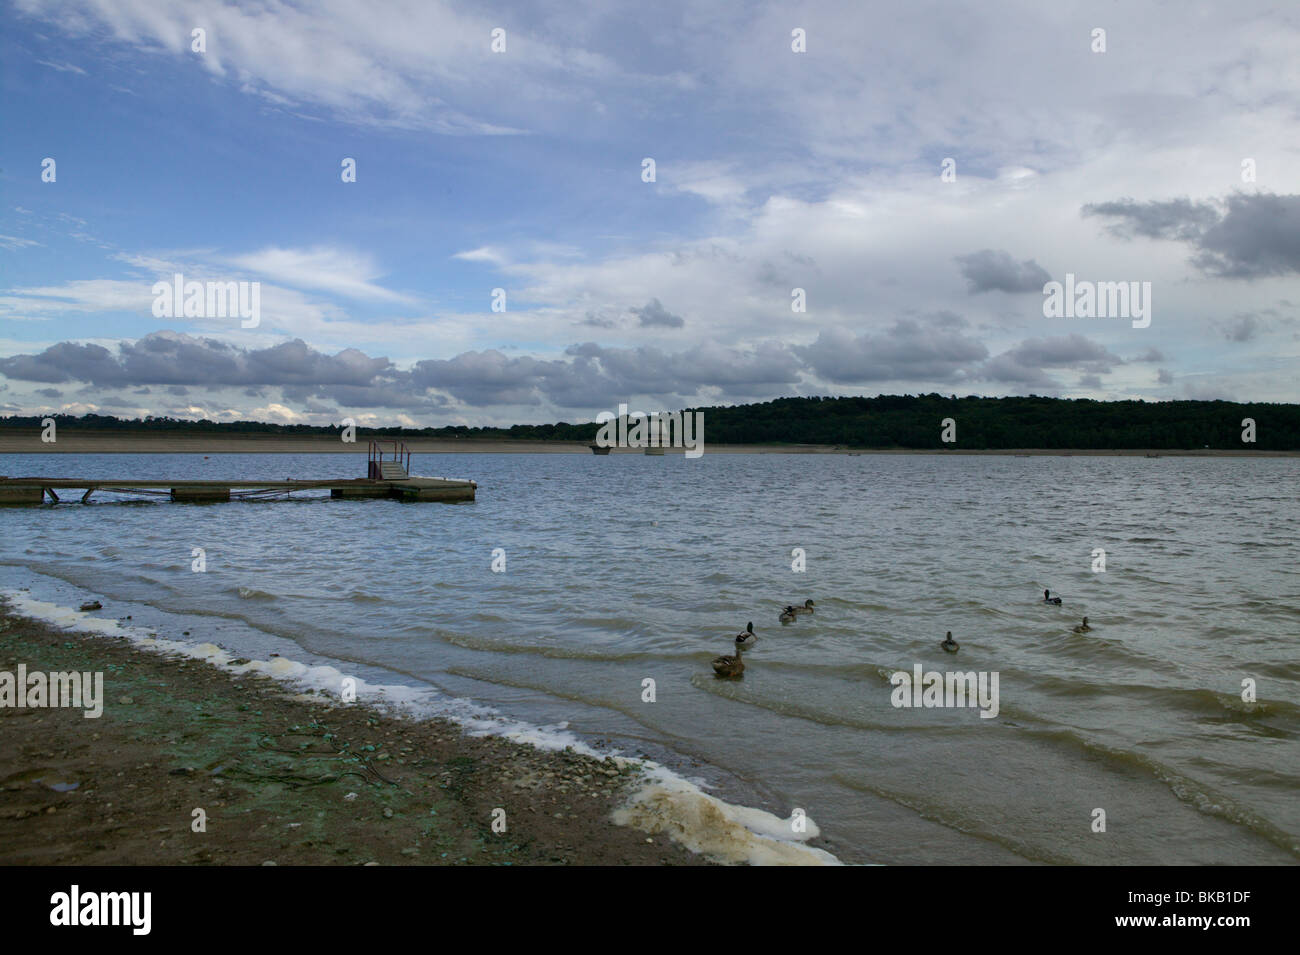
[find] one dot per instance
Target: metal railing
(380, 452)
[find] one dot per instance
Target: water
(626, 568)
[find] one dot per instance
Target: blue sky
(522, 170)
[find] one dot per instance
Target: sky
(919, 171)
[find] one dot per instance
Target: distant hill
(886, 421)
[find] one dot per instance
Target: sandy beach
(72, 442)
(283, 778)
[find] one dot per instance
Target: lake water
(625, 568)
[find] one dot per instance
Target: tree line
(883, 422)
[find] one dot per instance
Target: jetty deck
(386, 478)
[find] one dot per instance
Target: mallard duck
(1049, 599)
(1083, 627)
(729, 665)
(787, 615)
(746, 637)
(92, 605)
(806, 608)
(950, 644)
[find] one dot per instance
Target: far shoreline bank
(191, 443)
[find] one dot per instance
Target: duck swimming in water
(746, 638)
(1049, 599)
(950, 644)
(1083, 627)
(729, 665)
(788, 615)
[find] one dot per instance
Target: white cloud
(320, 269)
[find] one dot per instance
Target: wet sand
(284, 778)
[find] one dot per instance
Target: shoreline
(275, 772)
(399, 775)
(72, 442)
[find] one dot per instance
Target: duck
(1083, 627)
(746, 638)
(729, 665)
(788, 615)
(91, 605)
(806, 608)
(950, 644)
(1049, 599)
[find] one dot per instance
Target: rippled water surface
(626, 568)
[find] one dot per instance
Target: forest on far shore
(883, 422)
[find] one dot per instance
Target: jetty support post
(379, 490)
(21, 494)
(449, 493)
(203, 494)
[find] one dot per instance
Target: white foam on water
(667, 804)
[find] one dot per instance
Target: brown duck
(729, 665)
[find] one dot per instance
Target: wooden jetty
(385, 477)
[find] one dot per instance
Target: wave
(1195, 793)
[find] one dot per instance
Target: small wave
(560, 652)
(1189, 791)
(251, 593)
(944, 815)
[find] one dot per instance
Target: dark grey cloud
(995, 270)
(62, 362)
(177, 363)
(1090, 381)
(1150, 355)
(588, 375)
(1259, 235)
(598, 321)
(1243, 328)
(1244, 236)
(598, 376)
(49, 392)
(735, 373)
(1164, 376)
(168, 358)
(933, 348)
(925, 350)
(487, 377)
(116, 401)
(1178, 219)
(1026, 363)
(653, 313)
